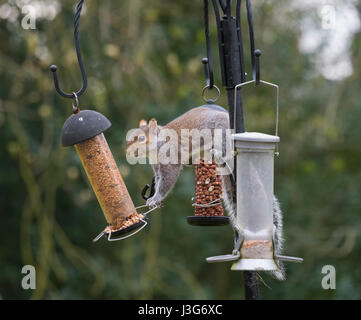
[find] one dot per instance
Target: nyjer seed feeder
(254, 220)
(255, 162)
(84, 130)
(255, 201)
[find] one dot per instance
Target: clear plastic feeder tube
(255, 178)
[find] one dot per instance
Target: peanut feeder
(208, 207)
(84, 130)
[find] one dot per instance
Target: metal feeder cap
(255, 137)
(82, 126)
(214, 107)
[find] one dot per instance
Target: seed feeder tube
(208, 207)
(84, 129)
(255, 177)
(255, 162)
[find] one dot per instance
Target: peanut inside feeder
(85, 130)
(208, 207)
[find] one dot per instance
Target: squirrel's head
(138, 139)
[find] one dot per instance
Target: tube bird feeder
(208, 207)
(84, 130)
(255, 162)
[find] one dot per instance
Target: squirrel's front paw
(154, 202)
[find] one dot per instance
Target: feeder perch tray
(126, 230)
(134, 228)
(208, 221)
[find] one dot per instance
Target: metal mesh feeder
(208, 207)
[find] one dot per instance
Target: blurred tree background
(143, 60)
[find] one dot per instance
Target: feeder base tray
(223, 258)
(125, 231)
(255, 265)
(208, 221)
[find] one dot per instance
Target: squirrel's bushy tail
(278, 240)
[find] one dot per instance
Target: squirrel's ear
(153, 124)
(142, 123)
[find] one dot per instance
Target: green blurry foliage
(143, 60)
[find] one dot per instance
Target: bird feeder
(255, 177)
(84, 129)
(255, 162)
(208, 207)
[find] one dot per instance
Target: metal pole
(250, 285)
(233, 73)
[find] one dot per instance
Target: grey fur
(165, 178)
(278, 239)
(167, 175)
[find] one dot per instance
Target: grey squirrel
(166, 175)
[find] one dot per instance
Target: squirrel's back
(203, 117)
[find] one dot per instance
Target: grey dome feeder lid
(82, 126)
(214, 107)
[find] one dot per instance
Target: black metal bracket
(208, 62)
(231, 56)
(230, 42)
(208, 73)
(54, 68)
(256, 71)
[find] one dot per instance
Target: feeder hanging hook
(208, 62)
(54, 68)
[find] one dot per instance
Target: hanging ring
(210, 101)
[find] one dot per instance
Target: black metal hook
(256, 71)
(53, 68)
(208, 73)
(223, 5)
(152, 190)
(255, 53)
(207, 62)
(226, 6)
